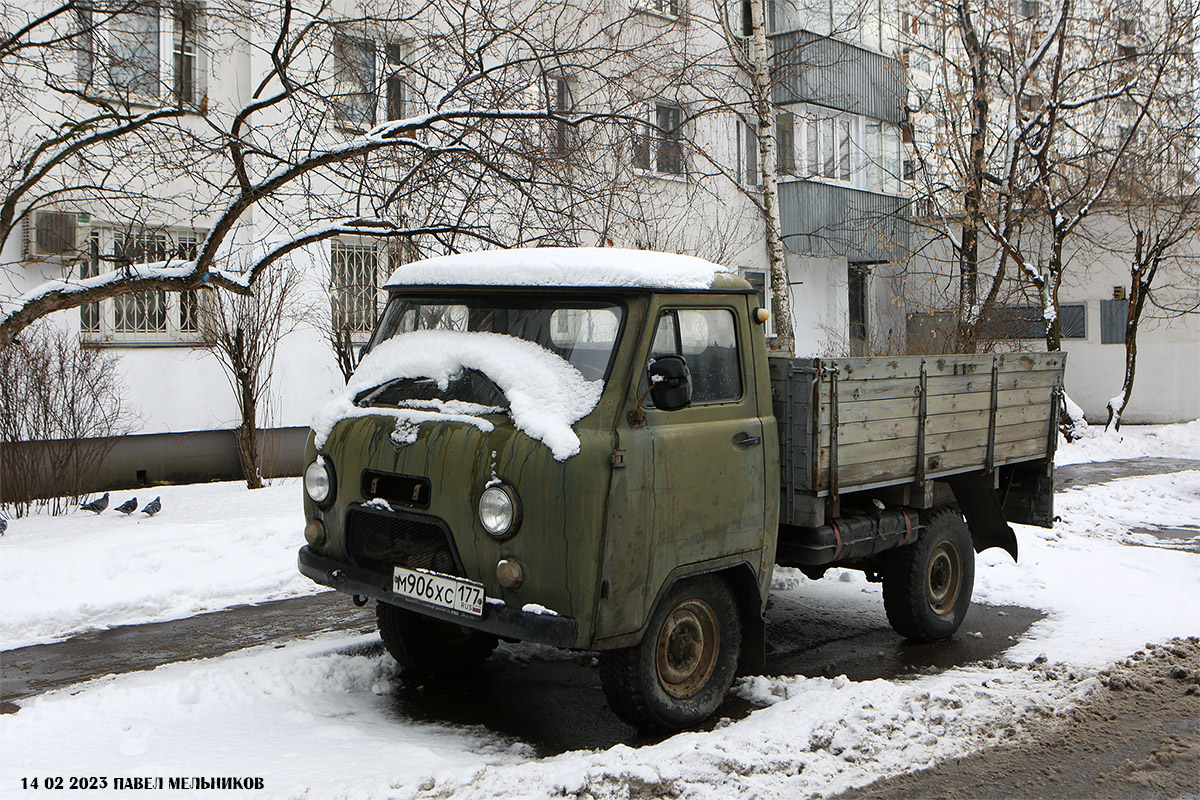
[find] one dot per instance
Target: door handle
(746, 440)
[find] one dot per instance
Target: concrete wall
(193, 457)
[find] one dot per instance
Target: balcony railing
(820, 219)
(810, 68)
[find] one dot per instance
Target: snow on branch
(360, 226)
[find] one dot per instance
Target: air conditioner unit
(53, 234)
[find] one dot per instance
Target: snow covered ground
(1132, 441)
(315, 718)
(212, 546)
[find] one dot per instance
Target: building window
(785, 142)
(666, 8)
(560, 134)
(857, 289)
(133, 51)
(1032, 103)
(658, 146)
(152, 317)
(396, 90)
(128, 52)
(749, 171)
(354, 287)
(186, 52)
(1072, 320)
(845, 149)
(85, 45)
(873, 25)
(1114, 314)
(355, 92)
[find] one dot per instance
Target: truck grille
(383, 541)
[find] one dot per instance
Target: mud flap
(753, 658)
(979, 503)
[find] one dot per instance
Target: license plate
(443, 591)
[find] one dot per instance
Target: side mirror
(670, 383)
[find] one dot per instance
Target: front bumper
(497, 619)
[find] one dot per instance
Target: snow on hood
(562, 267)
(546, 393)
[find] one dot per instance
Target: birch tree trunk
(764, 113)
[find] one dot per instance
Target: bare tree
(757, 65)
(62, 409)
(1047, 104)
(244, 332)
(1160, 213)
(308, 144)
(974, 77)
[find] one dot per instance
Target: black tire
(679, 673)
(425, 647)
(927, 585)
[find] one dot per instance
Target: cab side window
(707, 340)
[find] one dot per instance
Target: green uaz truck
(592, 449)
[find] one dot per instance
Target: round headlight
(318, 481)
(498, 510)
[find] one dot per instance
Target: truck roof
(570, 267)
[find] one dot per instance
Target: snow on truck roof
(560, 267)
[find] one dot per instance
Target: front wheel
(426, 647)
(678, 674)
(927, 585)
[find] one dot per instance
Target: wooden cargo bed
(855, 424)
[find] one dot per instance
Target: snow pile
(318, 719)
(213, 546)
(309, 719)
(821, 736)
(562, 267)
(1132, 441)
(546, 393)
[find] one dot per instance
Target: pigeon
(128, 507)
(153, 507)
(97, 505)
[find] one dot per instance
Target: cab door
(692, 486)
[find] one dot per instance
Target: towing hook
(360, 601)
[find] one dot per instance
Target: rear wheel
(427, 647)
(927, 585)
(678, 674)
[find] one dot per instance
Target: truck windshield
(582, 332)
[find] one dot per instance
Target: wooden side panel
(980, 411)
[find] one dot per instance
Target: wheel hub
(687, 648)
(943, 578)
